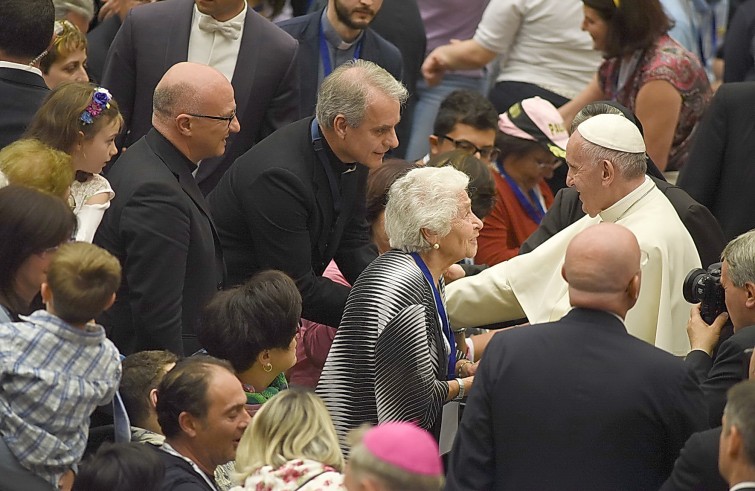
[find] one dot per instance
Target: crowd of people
(280, 245)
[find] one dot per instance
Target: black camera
(704, 287)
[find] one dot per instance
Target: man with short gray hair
(296, 200)
(606, 160)
(736, 448)
(718, 374)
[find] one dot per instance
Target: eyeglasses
(228, 119)
(487, 153)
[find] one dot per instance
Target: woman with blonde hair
(291, 444)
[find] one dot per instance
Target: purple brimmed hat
(405, 446)
(538, 120)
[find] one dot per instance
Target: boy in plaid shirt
(55, 368)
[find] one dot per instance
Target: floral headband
(100, 101)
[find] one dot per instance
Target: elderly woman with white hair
(394, 356)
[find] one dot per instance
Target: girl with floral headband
(66, 59)
(83, 121)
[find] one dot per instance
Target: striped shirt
(388, 360)
(52, 376)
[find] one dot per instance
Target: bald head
(601, 262)
(184, 88)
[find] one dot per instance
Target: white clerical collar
(332, 35)
(617, 211)
(743, 485)
(19, 66)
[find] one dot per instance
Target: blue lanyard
(532, 206)
(327, 65)
(442, 313)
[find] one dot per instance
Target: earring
(267, 367)
(436, 246)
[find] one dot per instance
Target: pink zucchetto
(405, 446)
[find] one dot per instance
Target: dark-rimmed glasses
(487, 153)
(227, 119)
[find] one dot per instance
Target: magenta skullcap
(405, 446)
(613, 132)
(537, 120)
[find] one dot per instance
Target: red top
(508, 225)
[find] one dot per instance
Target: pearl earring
(436, 246)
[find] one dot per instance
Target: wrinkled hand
(701, 335)
(454, 273)
(66, 481)
(434, 67)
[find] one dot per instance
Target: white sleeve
(500, 24)
(89, 218)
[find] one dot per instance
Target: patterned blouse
(389, 359)
(665, 60)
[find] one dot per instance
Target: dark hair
(379, 182)
(57, 122)
(481, 184)
(26, 27)
(632, 25)
(465, 107)
(30, 222)
(239, 324)
(121, 467)
(184, 389)
(514, 146)
(142, 372)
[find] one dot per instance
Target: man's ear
(607, 172)
(188, 424)
(153, 398)
(563, 273)
(750, 290)
(434, 145)
(340, 125)
(633, 289)
(183, 124)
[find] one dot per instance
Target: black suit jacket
(720, 171)
(716, 376)
(306, 30)
(274, 210)
(155, 37)
(696, 469)
(99, 40)
(159, 228)
(561, 406)
(699, 222)
(21, 94)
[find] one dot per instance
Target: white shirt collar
(19, 66)
(617, 211)
(743, 485)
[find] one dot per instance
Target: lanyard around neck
(327, 64)
(441, 308)
(532, 206)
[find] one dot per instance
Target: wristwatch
(459, 397)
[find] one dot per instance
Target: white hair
(425, 198)
(739, 254)
(629, 165)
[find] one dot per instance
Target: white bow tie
(230, 29)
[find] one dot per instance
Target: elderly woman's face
(461, 241)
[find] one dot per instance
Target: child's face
(97, 151)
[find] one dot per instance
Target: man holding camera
(730, 364)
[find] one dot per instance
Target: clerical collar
(168, 147)
(617, 211)
(334, 39)
(338, 166)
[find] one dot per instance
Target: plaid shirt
(52, 376)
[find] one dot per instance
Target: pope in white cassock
(606, 159)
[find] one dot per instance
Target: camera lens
(694, 285)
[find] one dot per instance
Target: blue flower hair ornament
(100, 101)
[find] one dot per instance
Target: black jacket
(21, 94)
